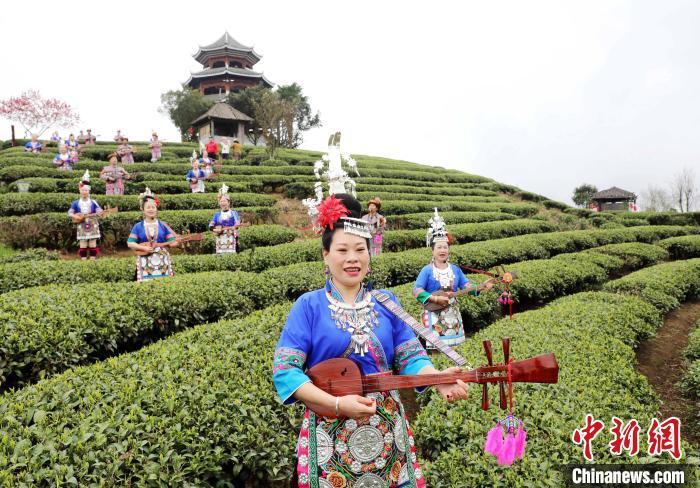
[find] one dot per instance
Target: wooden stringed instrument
(106, 212)
(342, 376)
(498, 277)
(178, 240)
(233, 227)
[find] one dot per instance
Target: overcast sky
(543, 95)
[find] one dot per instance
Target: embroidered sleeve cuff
(423, 297)
(287, 382)
(287, 373)
(410, 357)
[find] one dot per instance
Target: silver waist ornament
(358, 319)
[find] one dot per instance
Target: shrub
(33, 254)
(591, 334)
(420, 220)
(683, 247)
(33, 203)
(55, 230)
(664, 285)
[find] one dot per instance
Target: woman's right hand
(356, 406)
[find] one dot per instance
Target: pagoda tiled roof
(613, 192)
(226, 45)
(226, 41)
(242, 72)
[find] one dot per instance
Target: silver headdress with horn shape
(85, 180)
(338, 179)
(142, 196)
(338, 182)
(223, 192)
(437, 231)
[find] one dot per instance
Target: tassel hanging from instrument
(506, 299)
(513, 446)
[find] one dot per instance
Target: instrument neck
(374, 383)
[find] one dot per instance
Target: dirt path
(660, 359)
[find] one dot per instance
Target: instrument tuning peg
(489, 358)
(505, 342)
(489, 352)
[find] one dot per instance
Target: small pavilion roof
(614, 193)
(222, 110)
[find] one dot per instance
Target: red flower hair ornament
(330, 211)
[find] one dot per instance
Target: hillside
(169, 382)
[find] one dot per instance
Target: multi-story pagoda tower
(228, 67)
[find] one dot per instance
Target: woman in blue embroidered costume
(84, 212)
(150, 240)
(196, 177)
(441, 275)
(370, 443)
(33, 146)
(63, 159)
(225, 224)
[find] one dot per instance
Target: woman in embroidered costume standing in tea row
(225, 224)
(370, 444)
(149, 239)
(440, 274)
(84, 212)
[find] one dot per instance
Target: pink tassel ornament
(520, 442)
(494, 441)
(507, 454)
(513, 447)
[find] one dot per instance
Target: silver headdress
(223, 192)
(142, 197)
(357, 227)
(437, 231)
(85, 180)
(338, 182)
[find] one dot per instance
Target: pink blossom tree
(36, 114)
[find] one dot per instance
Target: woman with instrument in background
(441, 311)
(84, 212)
(377, 224)
(196, 177)
(225, 224)
(150, 239)
(72, 143)
(155, 146)
(367, 441)
(63, 159)
(126, 151)
(114, 176)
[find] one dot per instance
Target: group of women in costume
(150, 238)
(368, 443)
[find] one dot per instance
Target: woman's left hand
(453, 391)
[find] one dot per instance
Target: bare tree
(656, 199)
(684, 189)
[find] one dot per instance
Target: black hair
(354, 210)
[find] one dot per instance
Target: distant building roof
(222, 110)
(226, 45)
(614, 193)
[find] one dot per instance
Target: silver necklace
(358, 319)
